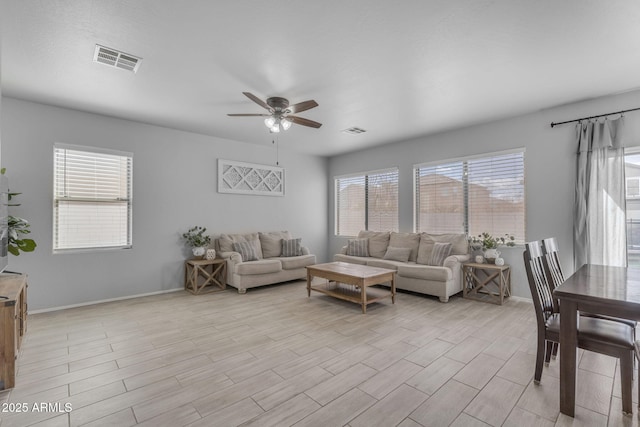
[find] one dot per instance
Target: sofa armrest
(454, 261)
(233, 257)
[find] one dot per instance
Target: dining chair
(555, 276)
(594, 334)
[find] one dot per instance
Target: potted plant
(489, 244)
(197, 240)
(16, 229)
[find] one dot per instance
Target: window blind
(367, 202)
(440, 204)
(474, 195)
(92, 199)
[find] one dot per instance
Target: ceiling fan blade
(303, 122)
(303, 106)
(249, 115)
(257, 100)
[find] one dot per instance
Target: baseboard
(523, 299)
(82, 304)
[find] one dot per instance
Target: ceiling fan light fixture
(269, 122)
(286, 124)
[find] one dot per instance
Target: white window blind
(92, 198)
(440, 197)
(367, 202)
(474, 195)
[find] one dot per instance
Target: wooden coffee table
(352, 282)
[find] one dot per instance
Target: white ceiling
(398, 69)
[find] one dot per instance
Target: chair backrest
(538, 282)
(550, 250)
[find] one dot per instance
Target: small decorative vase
(479, 259)
(198, 251)
(211, 254)
(491, 254)
(499, 261)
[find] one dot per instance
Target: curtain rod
(593, 117)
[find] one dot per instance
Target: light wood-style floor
(274, 357)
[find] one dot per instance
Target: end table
(205, 275)
(486, 282)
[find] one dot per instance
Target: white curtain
(599, 210)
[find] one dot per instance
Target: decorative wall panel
(250, 178)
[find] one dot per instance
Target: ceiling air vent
(354, 130)
(117, 59)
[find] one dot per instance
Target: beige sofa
(410, 255)
(271, 264)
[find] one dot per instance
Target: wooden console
(13, 324)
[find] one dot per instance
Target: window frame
(465, 184)
(365, 175)
(91, 150)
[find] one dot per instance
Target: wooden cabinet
(13, 324)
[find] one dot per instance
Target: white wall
(549, 168)
(174, 188)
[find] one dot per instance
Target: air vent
(354, 130)
(117, 59)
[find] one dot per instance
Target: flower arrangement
(486, 241)
(196, 238)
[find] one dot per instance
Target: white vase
(499, 261)
(211, 254)
(491, 255)
(198, 251)
(479, 259)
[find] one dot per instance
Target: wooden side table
(486, 282)
(205, 275)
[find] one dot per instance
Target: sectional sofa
(425, 263)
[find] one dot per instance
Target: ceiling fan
(279, 117)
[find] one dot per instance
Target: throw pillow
(226, 241)
(378, 242)
(397, 254)
(439, 253)
(271, 242)
(292, 247)
(358, 247)
(406, 240)
(246, 251)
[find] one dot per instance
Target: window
(632, 190)
(367, 201)
(633, 187)
(92, 198)
(472, 195)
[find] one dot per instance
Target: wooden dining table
(598, 289)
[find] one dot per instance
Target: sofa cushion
(425, 272)
(226, 241)
(397, 254)
(384, 263)
(459, 245)
(406, 240)
(291, 263)
(263, 266)
(439, 253)
(358, 247)
(246, 251)
(378, 242)
(351, 259)
(291, 247)
(271, 242)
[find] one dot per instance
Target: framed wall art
(250, 178)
